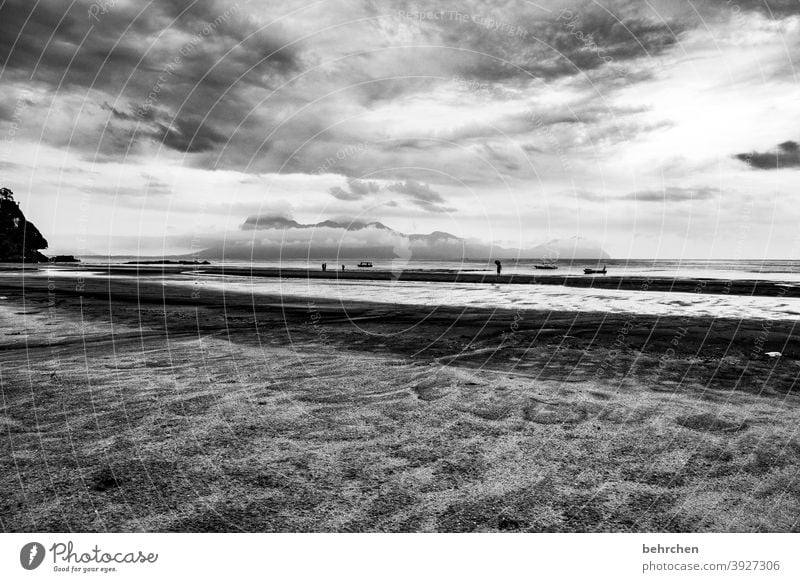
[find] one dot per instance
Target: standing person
(324, 267)
(342, 267)
(499, 266)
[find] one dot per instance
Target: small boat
(546, 266)
(595, 271)
(365, 264)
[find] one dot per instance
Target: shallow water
(725, 270)
(483, 295)
(539, 297)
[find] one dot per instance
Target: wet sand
(130, 406)
(753, 287)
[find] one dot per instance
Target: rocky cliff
(20, 240)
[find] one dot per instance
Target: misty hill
(279, 222)
(276, 237)
(20, 240)
(567, 249)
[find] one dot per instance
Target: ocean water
(515, 296)
(728, 269)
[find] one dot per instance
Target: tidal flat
(131, 406)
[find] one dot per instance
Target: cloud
(362, 188)
(358, 190)
(417, 191)
(419, 194)
(564, 43)
(341, 194)
(785, 155)
(201, 78)
(673, 194)
(6, 112)
(510, 99)
(667, 194)
(172, 60)
(282, 222)
(188, 135)
(132, 194)
(268, 222)
(769, 8)
(155, 186)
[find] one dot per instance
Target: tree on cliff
(20, 240)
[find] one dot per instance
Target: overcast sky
(662, 128)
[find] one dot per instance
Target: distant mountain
(274, 237)
(279, 222)
(568, 249)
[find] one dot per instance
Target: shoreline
(130, 406)
(745, 287)
(505, 327)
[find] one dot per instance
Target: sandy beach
(129, 405)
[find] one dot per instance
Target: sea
(782, 270)
(506, 296)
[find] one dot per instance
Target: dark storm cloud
(176, 57)
(189, 135)
(229, 84)
(785, 155)
(121, 42)
(565, 43)
(79, 51)
(133, 113)
(769, 8)
(185, 134)
(116, 113)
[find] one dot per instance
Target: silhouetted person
(499, 266)
(324, 267)
(342, 267)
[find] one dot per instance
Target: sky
(657, 128)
